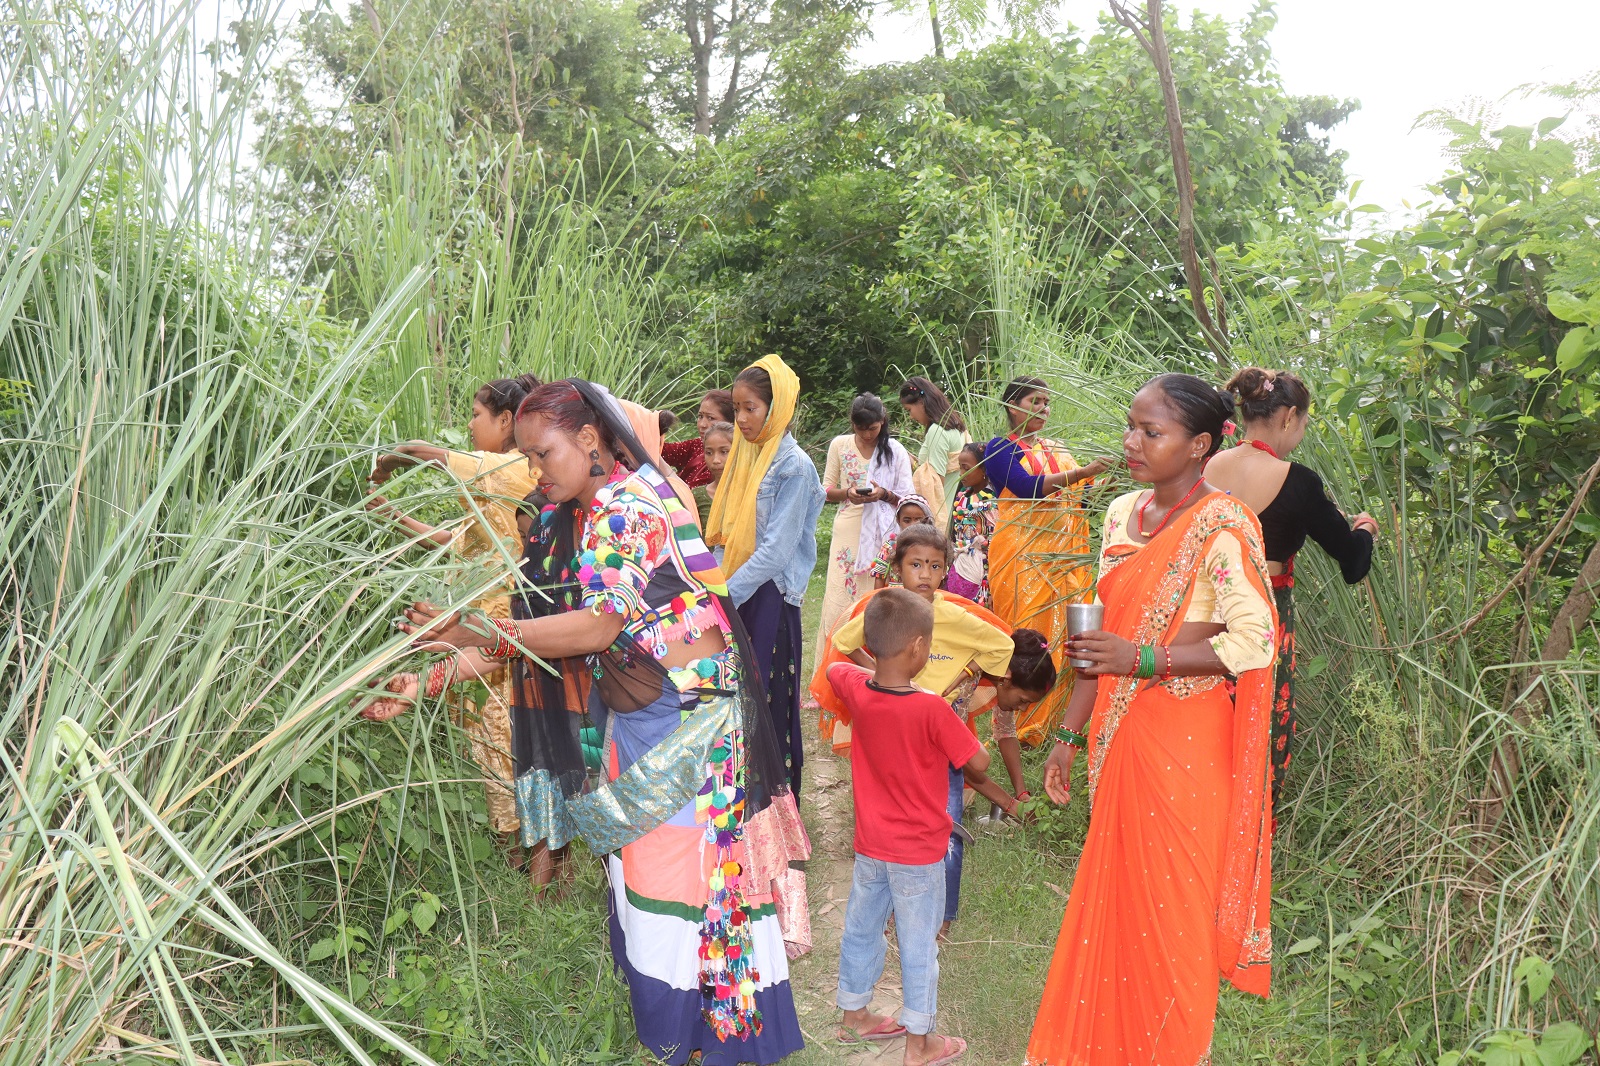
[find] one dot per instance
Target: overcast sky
(1400, 58)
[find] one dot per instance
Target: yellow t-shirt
(960, 639)
(496, 483)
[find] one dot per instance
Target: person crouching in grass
(904, 743)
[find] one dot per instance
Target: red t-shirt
(902, 745)
(688, 457)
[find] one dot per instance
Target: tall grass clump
(204, 856)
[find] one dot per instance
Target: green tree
(856, 228)
(711, 63)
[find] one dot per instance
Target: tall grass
(203, 857)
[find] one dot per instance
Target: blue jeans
(916, 895)
(957, 849)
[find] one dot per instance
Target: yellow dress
(495, 485)
(964, 647)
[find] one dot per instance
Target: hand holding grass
(404, 688)
(433, 629)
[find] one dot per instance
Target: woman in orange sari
(1039, 554)
(1173, 888)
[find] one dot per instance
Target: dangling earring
(595, 469)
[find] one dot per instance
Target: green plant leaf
(1300, 947)
(1563, 1044)
(1571, 308)
(1535, 974)
(1510, 1048)
(425, 912)
(1574, 348)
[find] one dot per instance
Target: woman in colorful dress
(1173, 886)
(765, 520)
(494, 479)
(1039, 555)
(866, 473)
(1289, 500)
(694, 817)
(930, 408)
(972, 518)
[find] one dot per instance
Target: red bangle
(505, 645)
(437, 678)
(1167, 650)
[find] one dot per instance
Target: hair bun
(1029, 641)
(1250, 384)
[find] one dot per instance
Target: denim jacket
(787, 506)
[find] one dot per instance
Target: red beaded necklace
(1261, 445)
(1174, 509)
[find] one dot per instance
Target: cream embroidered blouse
(1221, 594)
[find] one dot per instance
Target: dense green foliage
(828, 229)
(205, 856)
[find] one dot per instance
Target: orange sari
(1174, 886)
(1038, 563)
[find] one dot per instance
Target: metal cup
(1084, 618)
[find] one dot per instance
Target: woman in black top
(1292, 505)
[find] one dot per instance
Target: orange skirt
(1038, 563)
(1135, 974)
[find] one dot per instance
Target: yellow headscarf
(732, 522)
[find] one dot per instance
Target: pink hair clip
(1269, 386)
(1229, 428)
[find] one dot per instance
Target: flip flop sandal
(961, 1049)
(877, 1034)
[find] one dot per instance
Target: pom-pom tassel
(727, 948)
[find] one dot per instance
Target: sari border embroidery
(1215, 514)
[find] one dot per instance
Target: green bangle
(1072, 738)
(1146, 667)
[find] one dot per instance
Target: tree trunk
(700, 25)
(1151, 34)
(938, 38)
(1558, 644)
(726, 110)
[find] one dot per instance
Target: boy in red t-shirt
(903, 742)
